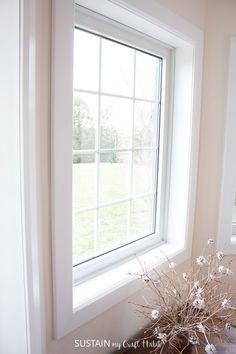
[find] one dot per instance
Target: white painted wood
(176, 32)
(181, 145)
(93, 298)
(62, 103)
(116, 26)
(225, 238)
(185, 140)
(159, 22)
(13, 301)
(30, 172)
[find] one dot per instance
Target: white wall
(217, 19)
(12, 293)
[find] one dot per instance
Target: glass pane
(114, 176)
(116, 122)
(84, 120)
(113, 226)
(86, 60)
(117, 68)
(83, 236)
(146, 76)
(145, 123)
(84, 181)
(141, 220)
(143, 171)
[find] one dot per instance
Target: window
(116, 120)
(165, 155)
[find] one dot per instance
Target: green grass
(112, 220)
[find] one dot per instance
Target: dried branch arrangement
(191, 307)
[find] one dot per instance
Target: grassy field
(114, 227)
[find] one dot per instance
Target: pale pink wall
(217, 18)
(191, 10)
(220, 25)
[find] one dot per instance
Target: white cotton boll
(146, 279)
(220, 255)
(155, 314)
(172, 265)
(197, 284)
(210, 241)
(185, 276)
(211, 277)
(201, 328)
(156, 330)
(226, 303)
(199, 304)
(193, 339)
(174, 292)
(210, 348)
(200, 292)
(162, 337)
(222, 270)
(201, 260)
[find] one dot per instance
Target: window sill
(117, 284)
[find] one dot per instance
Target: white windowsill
(104, 287)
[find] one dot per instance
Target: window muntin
(115, 144)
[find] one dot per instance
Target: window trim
(188, 43)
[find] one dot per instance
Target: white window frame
(91, 21)
(226, 228)
(20, 91)
(187, 42)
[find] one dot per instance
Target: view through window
(116, 122)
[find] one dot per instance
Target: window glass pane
(113, 223)
(86, 60)
(141, 219)
(146, 82)
(145, 123)
(83, 236)
(114, 176)
(84, 181)
(116, 122)
(117, 68)
(84, 120)
(143, 172)
(115, 139)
